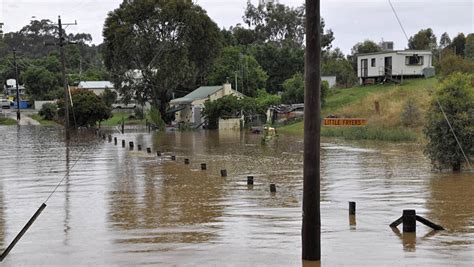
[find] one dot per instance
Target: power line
(398, 19)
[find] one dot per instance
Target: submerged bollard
(173, 157)
(223, 173)
(409, 221)
(158, 153)
(123, 143)
(109, 138)
(273, 188)
(115, 140)
(249, 180)
(203, 166)
(148, 150)
(186, 161)
(104, 137)
(139, 147)
(131, 145)
(352, 208)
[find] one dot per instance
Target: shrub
(411, 113)
(155, 117)
(49, 111)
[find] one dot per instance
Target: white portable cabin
(380, 66)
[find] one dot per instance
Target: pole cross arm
(429, 223)
(397, 222)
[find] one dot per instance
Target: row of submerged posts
(131, 144)
(408, 218)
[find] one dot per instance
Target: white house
(189, 107)
(98, 87)
(394, 65)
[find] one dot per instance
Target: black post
(186, 161)
(139, 147)
(352, 208)
(123, 143)
(123, 125)
(65, 83)
(109, 138)
(273, 188)
(203, 166)
(131, 145)
(173, 157)
(223, 173)
(148, 150)
(249, 180)
(115, 140)
(409, 221)
(18, 116)
(311, 231)
(158, 153)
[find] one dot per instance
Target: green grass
(7, 121)
(42, 121)
(117, 120)
(359, 101)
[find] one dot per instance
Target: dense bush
(87, 110)
(155, 118)
(294, 90)
(455, 97)
(49, 111)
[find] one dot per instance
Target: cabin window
(372, 62)
(414, 60)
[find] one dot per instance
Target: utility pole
(18, 116)
(311, 232)
(62, 42)
(236, 85)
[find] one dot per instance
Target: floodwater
(120, 207)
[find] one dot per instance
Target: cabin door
(364, 68)
(388, 66)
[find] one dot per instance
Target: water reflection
(121, 207)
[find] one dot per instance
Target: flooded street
(122, 207)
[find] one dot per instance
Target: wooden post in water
(115, 140)
(409, 221)
(109, 138)
(148, 150)
(173, 157)
(158, 153)
(311, 230)
(249, 180)
(186, 161)
(131, 145)
(123, 143)
(139, 147)
(223, 173)
(203, 166)
(352, 208)
(273, 188)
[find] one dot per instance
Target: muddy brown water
(121, 207)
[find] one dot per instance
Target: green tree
(367, 46)
(227, 106)
(444, 40)
(451, 63)
(88, 109)
(250, 75)
(109, 97)
(458, 44)
(456, 97)
(154, 47)
(469, 47)
(39, 82)
(294, 90)
(423, 40)
(281, 24)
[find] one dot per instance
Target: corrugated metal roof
(200, 93)
(95, 85)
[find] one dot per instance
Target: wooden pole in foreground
(311, 232)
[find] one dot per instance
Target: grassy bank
(359, 102)
(42, 121)
(7, 121)
(117, 120)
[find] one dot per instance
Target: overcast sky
(351, 20)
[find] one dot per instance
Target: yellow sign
(344, 122)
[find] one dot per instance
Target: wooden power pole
(311, 232)
(62, 42)
(18, 116)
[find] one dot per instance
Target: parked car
(5, 103)
(124, 106)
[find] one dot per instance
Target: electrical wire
(398, 19)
